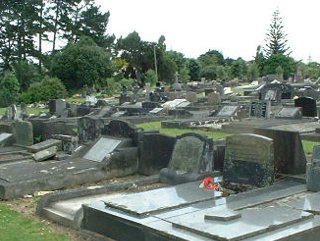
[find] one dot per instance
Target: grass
(308, 146)
(176, 132)
(16, 227)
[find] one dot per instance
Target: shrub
(9, 90)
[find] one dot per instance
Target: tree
(194, 69)
(212, 57)
(82, 63)
(26, 73)
(287, 64)
(276, 42)
(253, 72)
(9, 90)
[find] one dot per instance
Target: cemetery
(121, 139)
(269, 185)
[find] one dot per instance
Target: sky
(233, 27)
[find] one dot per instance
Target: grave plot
(185, 212)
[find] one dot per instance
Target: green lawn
(30, 111)
(16, 227)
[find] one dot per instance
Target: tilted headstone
(249, 159)
(45, 145)
(192, 158)
(308, 105)
(289, 113)
(228, 111)
(45, 154)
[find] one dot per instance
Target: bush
(49, 88)
(9, 90)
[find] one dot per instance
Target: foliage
(312, 70)
(253, 72)
(194, 69)
(212, 57)
(150, 77)
(26, 74)
(276, 42)
(287, 64)
(14, 226)
(112, 86)
(49, 88)
(82, 63)
(209, 72)
(9, 90)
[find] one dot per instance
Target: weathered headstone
(5, 138)
(313, 170)
(45, 145)
(57, 107)
(89, 129)
(23, 133)
(249, 159)
(308, 105)
(214, 98)
(69, 143)
(45, 154)
(192, 158)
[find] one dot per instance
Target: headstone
(45, 154)
(289, 113)
(23, 133)
(288, 150)
(207, 91)
(155, 152)
(91, 100)
(313, 170)
(69, 143)
(103, 147)
(308, 105)
(156, 110)
(57, 107)
(191, 97)
(118, 128)
(89, 129)
(214, 98)
(176, 86)
(192, 158)
(260, 109)
(249, 159)
(228, 111)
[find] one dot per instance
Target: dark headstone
(308, 105)
(288, 150)
(57, 107)
(155, 152)
(249, 159)
(227, 111)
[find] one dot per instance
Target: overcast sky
(234, 27)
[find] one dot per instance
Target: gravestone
(155, 152)
(57, 107)
(23, 133)
(103, 147)
(288, 150)
(308, 105)
(45, 145)
(214, 98)
(192, 159)
(45, 154)
(191, 97)
(249, 159)
(228, 111)
(260, 109)
(313, 170)
(118, 128)
(289, 113)
(89, 129)
(208, 91)
(69, 143)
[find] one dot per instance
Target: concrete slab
(5, 138)
(45, 145)
(310, 203)
(147, 203)
(103, 147)
(253, 221)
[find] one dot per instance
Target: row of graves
(247, 186)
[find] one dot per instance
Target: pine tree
(276, 42)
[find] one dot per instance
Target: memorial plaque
(309, 107)
(102, 148)
(227, 111)
(289, 113)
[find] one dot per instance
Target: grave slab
(253, 221)
(5, 138)
(45, 145)
(103, 147)
(309, 203)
